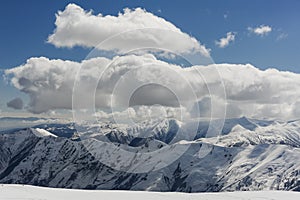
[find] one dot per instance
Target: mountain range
(249, 154)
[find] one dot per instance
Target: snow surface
(26, 192)
(41, 132)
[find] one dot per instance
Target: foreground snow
(25, 192)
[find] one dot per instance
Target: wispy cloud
(282, 36)
(261, 30)
(225, 41)
(226, 15)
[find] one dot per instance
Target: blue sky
(25, 26)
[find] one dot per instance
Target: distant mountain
(12, 124)
(60, 130)
(22, 118)
(249, 155)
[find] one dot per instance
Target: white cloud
(142, 114)
(49, 83)
(250, 91)
(77, 27)
(224, 42)
(261, 30)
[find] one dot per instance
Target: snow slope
(25, 192)
(42, 133)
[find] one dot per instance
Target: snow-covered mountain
(248, 155)
(9, 124)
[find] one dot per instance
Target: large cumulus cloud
(49, 83)
(250, 91)
(77, 27)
